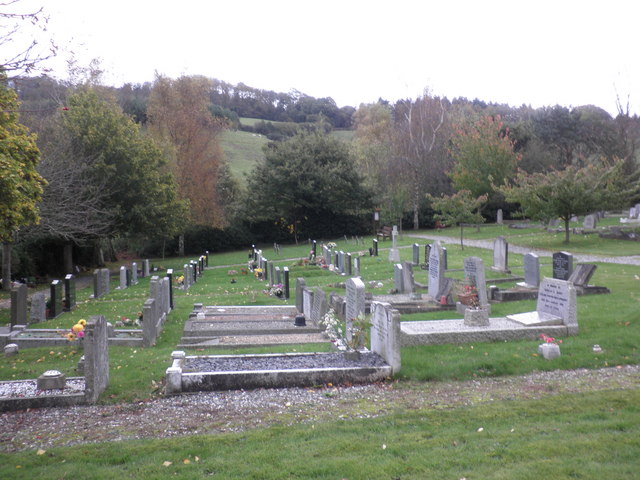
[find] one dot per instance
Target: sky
(538, 53)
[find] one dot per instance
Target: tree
(22, 57)
(179, 115)
(419, 139)
(20, 184)
(139, 188)
(458, 209)
(309, 185)
(572, 191)
(483, 157)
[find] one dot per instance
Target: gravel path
(216, 412)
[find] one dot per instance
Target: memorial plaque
(562, 265)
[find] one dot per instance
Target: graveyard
(214, 317)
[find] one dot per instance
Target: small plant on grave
(468, 294)
(547, 339)
(332, 325)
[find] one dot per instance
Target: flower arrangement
(77, 331)
(331, 325)
(359, 332)
(276, 290)
(179, 280)
(468, 294)
(546, 339)
(257, 272)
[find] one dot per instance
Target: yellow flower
(82, 322)
(78, 327)
(71, 336)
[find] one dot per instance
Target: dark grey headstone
(285, 283)
(69, 292)
(562, 265)
(55, 299)
(19, 305)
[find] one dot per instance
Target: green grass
(243, 151)
(587, 436)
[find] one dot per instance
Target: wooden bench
(384, 232)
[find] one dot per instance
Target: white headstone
(499, 219)
(398, 278)
(123, 277)
(355, 303)
(436, 270)
(385, 333)
(394, 253)
(531, 270)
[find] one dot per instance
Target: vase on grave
(476, 317)
(549, 351)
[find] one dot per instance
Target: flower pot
(476, 317)
(549, 350)
(352, 355)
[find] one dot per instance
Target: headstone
(326, 253)
(445, 258)
(69, 292)
(394, 253)
(416, 254)
(356, 267)
(319, 307)
(96, 354)
(385, 334)
(499, 219)
(170, 277)
(134, 273)
(427, 253)
(285, 283)
(556, 305)
(206, 258)
(633, 213)
(150, 324)
(500, 255)
(531, 270)
(278, 276)
(300, 286)
(341, 262)
(97, 292)
(314, 246)
(271, 275)
(105, 281)
(474, 274)
(398, 278)
(348, 269)
(165, 285)
(355, 304)
(554, 223)
(589, 222)
(582, 274)
(408, 285)
(436, 270)
(123, 278)
(19, 305)
(307, 302)
(38, 311)
(55, 299)
(375, 247)
(185, 277)
(129, 278)
(145, 268)
(562, 265)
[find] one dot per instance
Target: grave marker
(355, 304)
(300, 286)
(375, 247)
(319, 307)
(123, 278)
(307, 302)
(531, 270)
(500, 255)
(96, 358)
(562, 265)
(394, 253)
(398, 278)
(170, 277)
(356, 266)
(436, 270)
(408, 285)
(416, 254)
(499, 219)
(69, 293)
(19, 305)
(474, 274)
(589, 222)
(38, 311)
(134, 273)
(385, 334)
(286, 283)
(582, 274)
(55, 298)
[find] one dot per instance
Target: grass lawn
(563, 436)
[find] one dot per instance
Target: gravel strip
(28, 388)
(216, 412)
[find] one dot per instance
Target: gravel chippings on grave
(28, 388)
(284, 362)
(235, 411)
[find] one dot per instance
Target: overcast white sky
(517, 52)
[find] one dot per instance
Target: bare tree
(73, 203)
(420, 132)
(22, 53)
